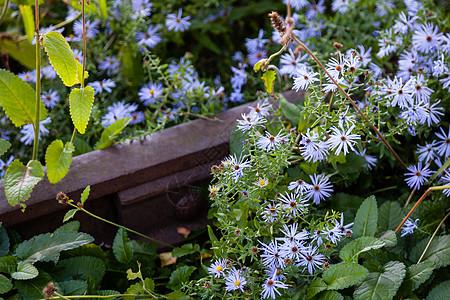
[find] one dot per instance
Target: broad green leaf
(47, 247)
(329, 295)
(185, 250)
(138, 289)
(269, 80)
(122, 247)
(18, 99)
(389, 215)
(81, 101)
(438, 252)
(290, 110)
(61, 57)
(58, 159)
(4, 241)
(28, 20)
(179, 276)
(8, 264)
(381, 285)
(71, 226)
(89, 9)
(351, 251)
(5, 284)
(343, 275)
(110, 133)
(72, 287)
(415, 276)
(366, 218)
(85, 194)
(26, 2)
(103, 9)
(389, 238)
(80, 268)
(70, 214)
(440, 292)
(177, 295)
(32, 289)
(237, 139)
(22, 51)
(20, 180)
(316, 286)
(87, 250)
(4, 146)
(131, 65)
(25, 271)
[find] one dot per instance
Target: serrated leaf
(25, 272)
(87, 250)
(47, 247)
(138, 288)
(185, 250)
(8, 264)
(28, 20)
(80, 73)
(71, 226)
(343, 275)
(269, 80)
(5, 284)
(316, 286)
(351, 251)
(179, 276)
(81, 101)
(69, 215)
(32, 289)
(58, 159)
(291, 111)
(133, 275)
(389, 215)
(329, 295)
(381, 285)
(72, 287)
(20, 180)
(18, 99)
(61, 57)
(389, 237)
(4, 146)
(82, 268)
(440, 292)
(366, 218)
(110, 133)
(122, 247)
(415, 276)
(85, 194)
(438, 252)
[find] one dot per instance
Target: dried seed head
(287, 261)
(49, 290)
(212, 194)
(328, 247)
(348, 233)
(326, 265)
(214, 168)
(62, 198)
(237, 232)
(80, 205)
(207, 284)
(228, 264)
(277, 23)
(337, 45)
(254, 250)
(293, 131)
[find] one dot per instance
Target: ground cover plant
(340, 195)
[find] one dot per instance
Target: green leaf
(58, 159)
(269, 80)
(438, 252)
(47, 247)
(81, 101)
(290, 110)
(329, 295)
(89, 9)
(343, 275)
(109, 293)
(138, 288)
(237, 139)
(69, 215)
(351, 251)
(381, 285)
(8, 264)
(415, 276)
(80, 73)
(4, 146)
(5, 284)
(122, 247)
(257, 66)
(61, 57)
(4, 241)
(71, 226)
(185, 250)
(18, 99)
(22, 51)
(20, 180)
(32, 289)
(85, 194)
(316, 286)
(110, 133)
(366, 218)
(72, 287)
(177, 295)
(25, 271)
(390, 238)
(440, 292)
(103, 9)
(389, 215)
(179, 276)
(28, 20)
(81, 267)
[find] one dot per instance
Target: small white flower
(270, 142)
(342, 139)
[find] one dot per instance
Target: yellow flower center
(262, 182)
(219, 268)
(151, 92)
(237, 282)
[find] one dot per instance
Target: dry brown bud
(337, 45)
(277, 23)
(62, 198)
(49, 290)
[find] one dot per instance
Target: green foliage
(18, 99)
(366, 218)
(32, 289)
(122, 248)
(103, 8)
(20, 180)
(4, 146)
(81, 268)
(58, 159)
(186, 249)
(389, 215)
(138, 288)
(440, 292)
(85, 194)
(61, 57)
(81, 101)
(110, 133)
(8, 264)
(389, 238)
(350, 252)
(330, 295)
(438, 251)
(5, 284)
(4, 241)
(47, 247)
(416, 275)
(70, 214)
(343, 275)
(381, 285)
(72, 287)
(180, 276)
(28, 20)
(291, 111)
(25, 271)
(71, 226)
(22, 52)
(237, 138)
(269, 80)
(316, 286)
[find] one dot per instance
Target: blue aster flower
(177, 23)
(50, 98)
(417, 175)
(151, 92)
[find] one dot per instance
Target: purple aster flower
(142, 8)
(427, 153)
(311, 260)
(342, 139)
(320, 190)
(29, 76)
(294, 205)
(28, 131)
(91, 28)
(103, 85)
(409, 227)
(271, 256)
(234, 281)
(137, 117)
(150, 38)
(110, 64)
(4, 165)
(177, 23)
(218, 268)
(433, 113)
(297, 4)
(117, 111)
(427, 38)
(151, 93)
(304, 78)
(443, 146)
(300, 186)
(256, 44)
(417, 175)
(50, 98)
(271, 286)
(371, 161)
(315, 9)
(289, 63)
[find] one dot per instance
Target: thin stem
(434, 188)
(410, 197)
(89, 296)
(61, 296)
(432, 237)
(64, 23)
(120, 226)
(267, 61)
(214, 119)
(5, 8)
(84, 44)
(74, 134)
(38, 84)
(351, 101)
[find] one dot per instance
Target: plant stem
(84, 44)
(120, 226)
(212, 119)
(74, 134)
(434, 188)
(410, 197)
(351, 101)
(58, 296)
(5, 8)
(432, 237)
(64, 23)
(38, 84)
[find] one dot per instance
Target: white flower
(304, 79)
(270, 142)
(342, 140)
